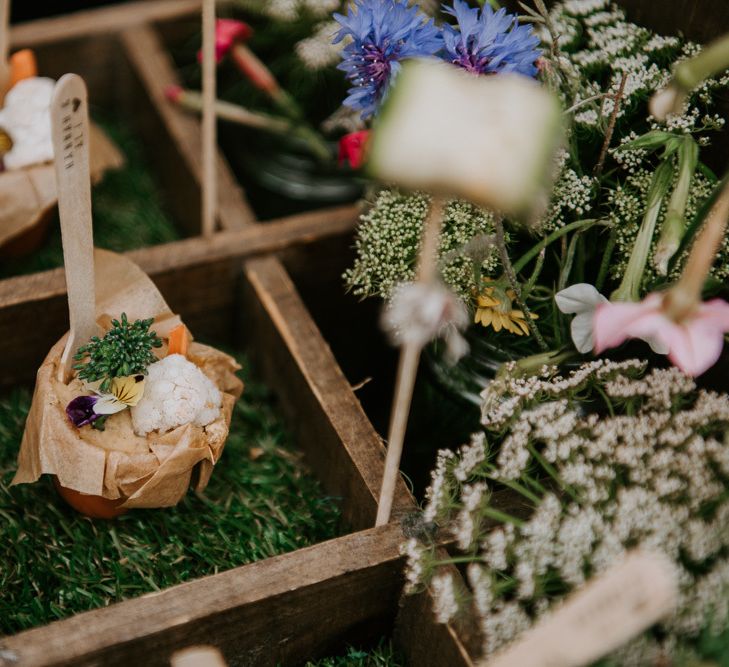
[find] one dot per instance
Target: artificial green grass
(54, 563)
(128, 209)
(382, 655)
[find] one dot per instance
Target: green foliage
(382, 655)
(126, 349)
(260, 502)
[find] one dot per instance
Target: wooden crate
(238, 287)
(230, 288)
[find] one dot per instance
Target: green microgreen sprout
(126, 349)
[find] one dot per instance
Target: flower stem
(683, 297)
(234, 113)
(456, 560)
(530, 364)
(515, 486)
(674, 225)
(511, 277)
(606, 257)
(629, 288)
(427, 263)
(569, 262)
(538, 265)
(617, 99)
(503, 517)
(552, 472)
(554, 236)
(408, 368)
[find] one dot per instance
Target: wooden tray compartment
(229, 288)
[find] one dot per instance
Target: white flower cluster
(415, 574)
(317, 51)
(511, 392)
(444, 595)
(628, 458)
(388, 240)
(291, 10)
(658, 44)
(584, 7)
(573, 195)
(437, 495)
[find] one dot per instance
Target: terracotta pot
(95, 507)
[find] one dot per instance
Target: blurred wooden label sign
(610, 610)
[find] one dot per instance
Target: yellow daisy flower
(493, 309)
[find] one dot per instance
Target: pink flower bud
(228, 32)
(352, 148)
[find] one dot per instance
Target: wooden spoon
(209, 120)
(70, 132)
(4, 48)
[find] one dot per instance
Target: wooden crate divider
(276, 611)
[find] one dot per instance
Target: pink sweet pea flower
(228, 33)
(352, 148)
(694, 343)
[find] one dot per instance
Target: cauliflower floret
(26, 119)
(177, 392)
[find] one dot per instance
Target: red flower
(228, 33)
(352, 148)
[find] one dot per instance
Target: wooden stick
(610, 610)
(4, 48)
(198, 656)
(70, 132)
(617, 99)
(408, 369)
(209, 139)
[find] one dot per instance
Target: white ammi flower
(582, 300)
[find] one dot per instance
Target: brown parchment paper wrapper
(151, 471)
(27, 195)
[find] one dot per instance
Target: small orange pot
(95, 507)
(30, 240)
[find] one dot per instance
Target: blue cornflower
(383, 32)
(488, 42)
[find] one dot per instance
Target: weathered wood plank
(274, 236)
(425, 642)
(335, 434)
(198, 277)
(179, 160)
(92, 22)
(276, 611)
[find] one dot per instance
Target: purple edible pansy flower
(81, 410)
(489, 42)
(383, 33)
